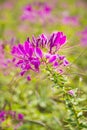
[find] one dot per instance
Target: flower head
(71, 92)
(20, 116)
(12, 114)
(31, 54)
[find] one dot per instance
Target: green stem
(76, 117)
(38, 123)
(66, 95)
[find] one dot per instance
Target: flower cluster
(5, 114)
(70, 20)
(83, 35)
(40, 51)
(37, 10)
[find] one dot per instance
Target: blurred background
(37, 99)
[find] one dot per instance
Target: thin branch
(38, 123)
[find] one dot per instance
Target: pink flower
(35, 11)
(39, 51)
(56, 40)
(12, 114)
(28, 78)
(83, 35)
(20, 116)
(70, 20)
(71, 92)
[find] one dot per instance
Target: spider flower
(41, 50)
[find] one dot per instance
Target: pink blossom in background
(29, 14)
(6, 5)
(36, 11)
(70, 20)
(83, 37)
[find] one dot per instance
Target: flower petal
(26, 45)
(53, 58)
(38, 52)
(62, 40)
(28, 78)
(21, 48)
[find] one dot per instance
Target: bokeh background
(38, 100)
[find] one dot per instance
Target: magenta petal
(62, 40)
(27, 67)
(19, 51)
(65, 63)
(28, 8)
(38, 52)
(14, 50)
(22, 73)
(44, 38)
(19, 62)
(55, 64)
(36, 64)
(26, 45)
(61, 57)
(14, 59)
(52, 59)
(57, 39)
(47, 9)
(2, 114)
(30, 51)
(20, 116)
(33, 41)
(28, 78)
(21, 48)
